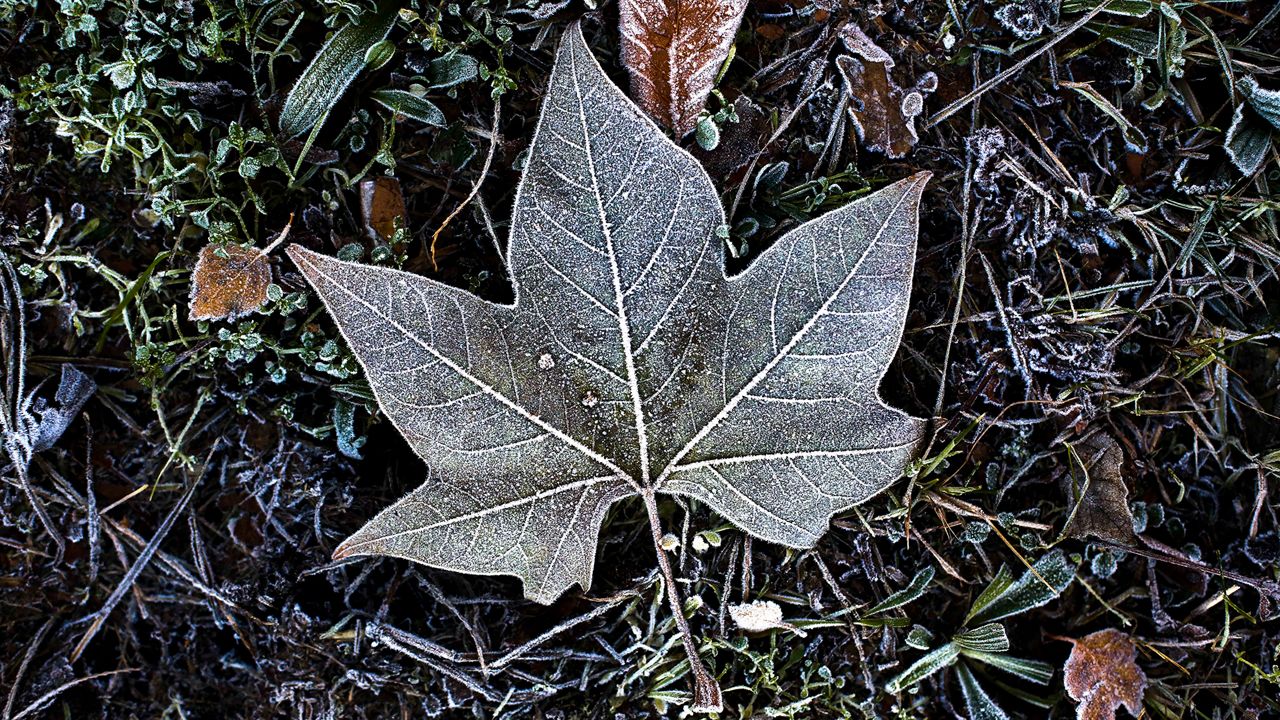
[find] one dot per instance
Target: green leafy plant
(335, 67)
(982, 640)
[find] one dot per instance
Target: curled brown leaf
(883, 112)
(1097, 492)
(1101, 674)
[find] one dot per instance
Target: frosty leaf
(1252, 127)
(908, 594)
(1042, 582)
(976, 700)
(761, 616)
(229, 282)
(1264, 102)
(403, 102)
(1102, 674)
(629, 363)
(756, 616)
(74, 390)
(452, 69)
(1248, 140)
(1097, 491)
(344, 429)
(883, 113)
(1027, 19)
(673, 50)
(942, 657)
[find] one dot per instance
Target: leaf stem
(706, 691)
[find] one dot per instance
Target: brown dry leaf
(1101, 675)
(673, 50)
(229, 282)
(1097, 491)
(382, 206)
(770, 31)
(883, 113)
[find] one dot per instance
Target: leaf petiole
(706, 691)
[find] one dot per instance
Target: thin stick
(40, 702)
(706, 691)
(92, 518)
(136, 569)
(466, 624)
(594, 613)
(475, 189)
(22, 667)
(396, 640)
(1161, 554)
(977, 92)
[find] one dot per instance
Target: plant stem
(706, 691)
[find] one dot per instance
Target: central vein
(624, 326)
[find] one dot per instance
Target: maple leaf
(630, 364)
(1101, 674)
(673, 50)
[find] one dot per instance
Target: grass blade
(337, 64)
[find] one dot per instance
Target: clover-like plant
(630, 364)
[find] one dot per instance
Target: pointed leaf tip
(918, 181)
(342, 552)
(673, 50)
(298, 254)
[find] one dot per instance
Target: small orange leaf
(673, 50)
(229, 282)
(770, 31)
(1101, 675)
